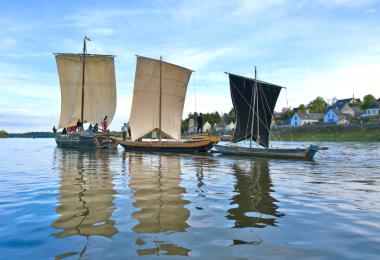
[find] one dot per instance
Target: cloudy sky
(329, 48)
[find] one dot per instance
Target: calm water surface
(57, 203)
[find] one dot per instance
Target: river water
(57, 203)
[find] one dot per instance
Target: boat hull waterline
(80, 140)
(296, 153)
(169, 146)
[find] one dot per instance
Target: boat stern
(311, 151)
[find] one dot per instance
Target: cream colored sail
(99, 88)
(146, 97)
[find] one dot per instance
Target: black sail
(243, 96)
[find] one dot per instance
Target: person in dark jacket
(95, 128)
(200, 123)
(79, 126)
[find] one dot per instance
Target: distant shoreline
(321, 133)
(326, 133)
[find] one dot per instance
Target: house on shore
(372, 111)
(207, 127)
(300, 119)
(339, 113)
(230, 127)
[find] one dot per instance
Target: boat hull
(82, 140)
(195, 146)
(298, 153)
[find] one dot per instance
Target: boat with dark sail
(88, 94)
(254, 102)
(157, 107)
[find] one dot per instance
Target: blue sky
(328, 48)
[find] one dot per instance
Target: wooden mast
(83, 75)
(254, 97)
(159, 122)
(257, 109)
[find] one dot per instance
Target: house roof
(357, 110)
(339, 104)
(310, 116)
(342, 115)
(375, 104)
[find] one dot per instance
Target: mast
(83, 73)
(253, 110)
(257, 109)
(159, 122)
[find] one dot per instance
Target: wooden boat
(157, 107)
(254, 102)
(297, 153)
(88, 93)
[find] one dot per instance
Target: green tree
(318, 105)
(3, 134)
(368, 100)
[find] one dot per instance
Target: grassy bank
(336, 133)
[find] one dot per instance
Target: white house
(339, 113)
(192, 128)
(230, 127)
(373, 110)
(299, 119)
(206, 127)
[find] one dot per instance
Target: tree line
(212, 118)
(318, 105)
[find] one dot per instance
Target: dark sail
(243, 96)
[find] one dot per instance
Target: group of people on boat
(79, 127)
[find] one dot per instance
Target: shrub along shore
(333, 133)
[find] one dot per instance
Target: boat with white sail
(158, 100)
(88, 94)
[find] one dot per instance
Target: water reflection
(86, 194)
(255, 207)
(155, 180)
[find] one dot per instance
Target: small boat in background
(254, 102)
(88, 93)
(157, 107)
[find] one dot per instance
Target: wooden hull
(82, 140)
(300, 154)
(194, 146)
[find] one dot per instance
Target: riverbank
(335, 133)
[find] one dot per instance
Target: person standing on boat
(79, 126)
(96, 128)
(124, 131)
(200, 123)
(90, 128)
(54, 130)
(105, 124)
(64, 131)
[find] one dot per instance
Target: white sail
(146, 97)
(99, 88)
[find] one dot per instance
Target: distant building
(372, 111)
(218, 127)
(192, 128)
(339, 113)
(206, 127)
(230, 127)
(300, 119)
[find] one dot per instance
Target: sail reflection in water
(155, 180)
(86, 195)
(254, 205)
